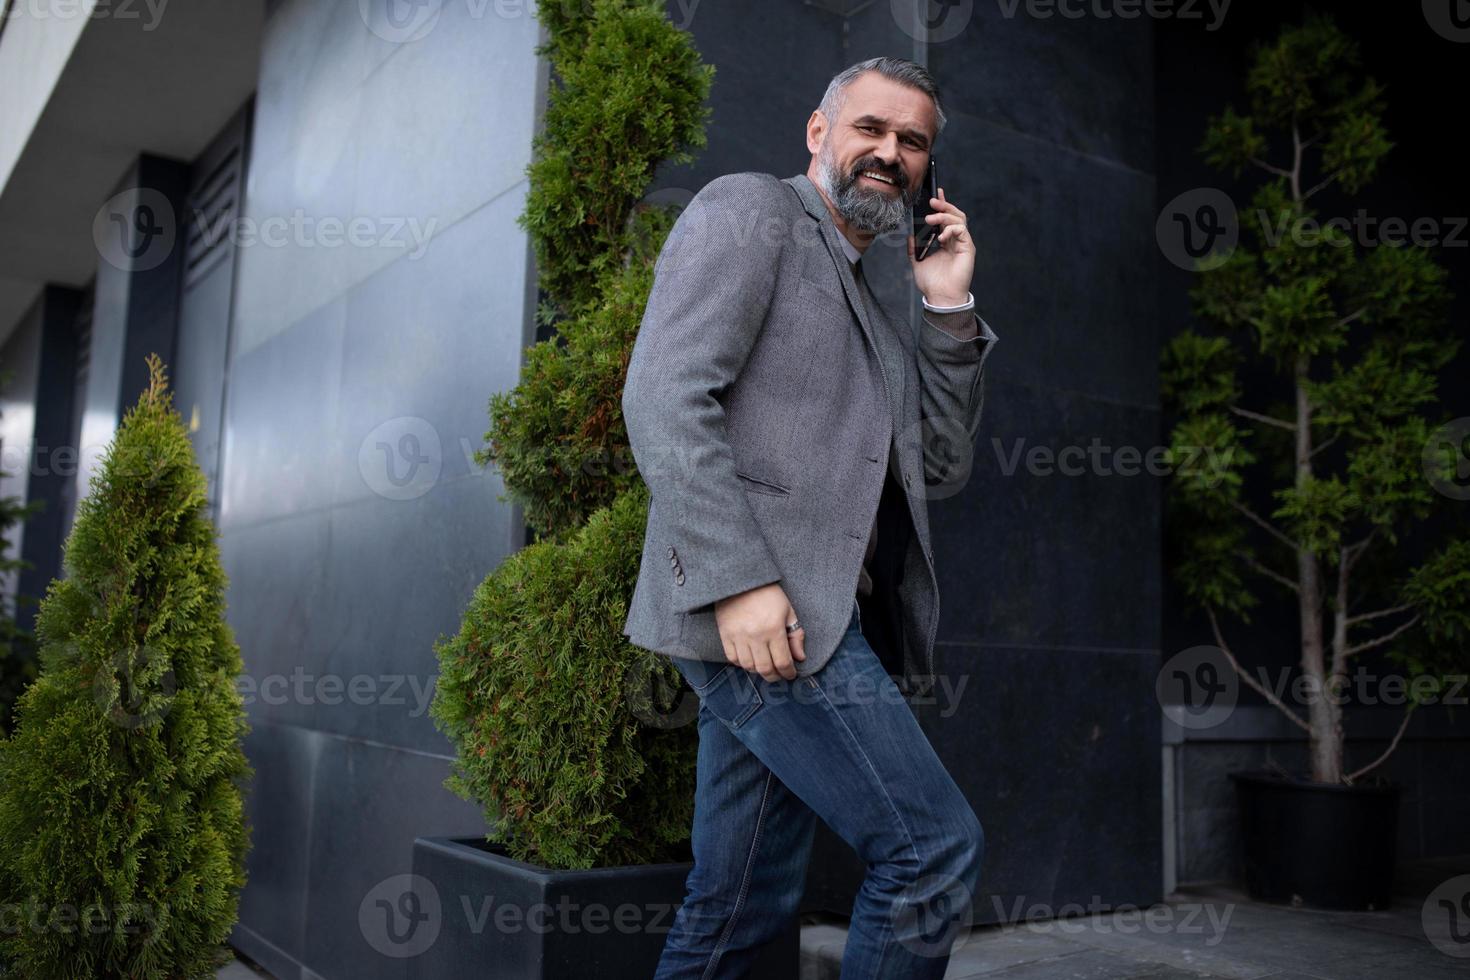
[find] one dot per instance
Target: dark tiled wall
(354, 524)
(20, 414)
(42, 351)
(340, 568)
(1052, 597)
(1049, 582)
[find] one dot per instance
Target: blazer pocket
(757, 485)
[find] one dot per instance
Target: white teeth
(875, 176)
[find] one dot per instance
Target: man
(790, 431)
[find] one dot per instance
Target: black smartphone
(925, 234)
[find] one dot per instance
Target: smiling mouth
(878, 177)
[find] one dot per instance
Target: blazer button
(671, 551)
(679, 579)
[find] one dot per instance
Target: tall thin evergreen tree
(122, 832)
(560, 725)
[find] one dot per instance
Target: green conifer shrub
(550, 707)
(558, 721)
(631, 96)
(122, 832)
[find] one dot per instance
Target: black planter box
(502, 918)
(1315, 844)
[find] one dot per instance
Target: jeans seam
(740, 896)
(883, 787)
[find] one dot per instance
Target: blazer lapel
(884, 343)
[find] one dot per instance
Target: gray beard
(866, 210)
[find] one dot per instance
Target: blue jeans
(841, 744)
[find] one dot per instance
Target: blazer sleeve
(951, 390)
(713, 285)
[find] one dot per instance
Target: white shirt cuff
(968, 304)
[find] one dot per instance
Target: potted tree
(1333, 467)
(576, 744)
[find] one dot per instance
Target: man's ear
(816, 129)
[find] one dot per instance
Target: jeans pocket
(701, 674)
(726, 689)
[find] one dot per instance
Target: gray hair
(900, 70)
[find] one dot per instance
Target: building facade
(308, 209)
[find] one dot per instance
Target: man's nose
(887, 154)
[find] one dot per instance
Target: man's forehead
(870, 94)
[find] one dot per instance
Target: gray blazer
(763, 403)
